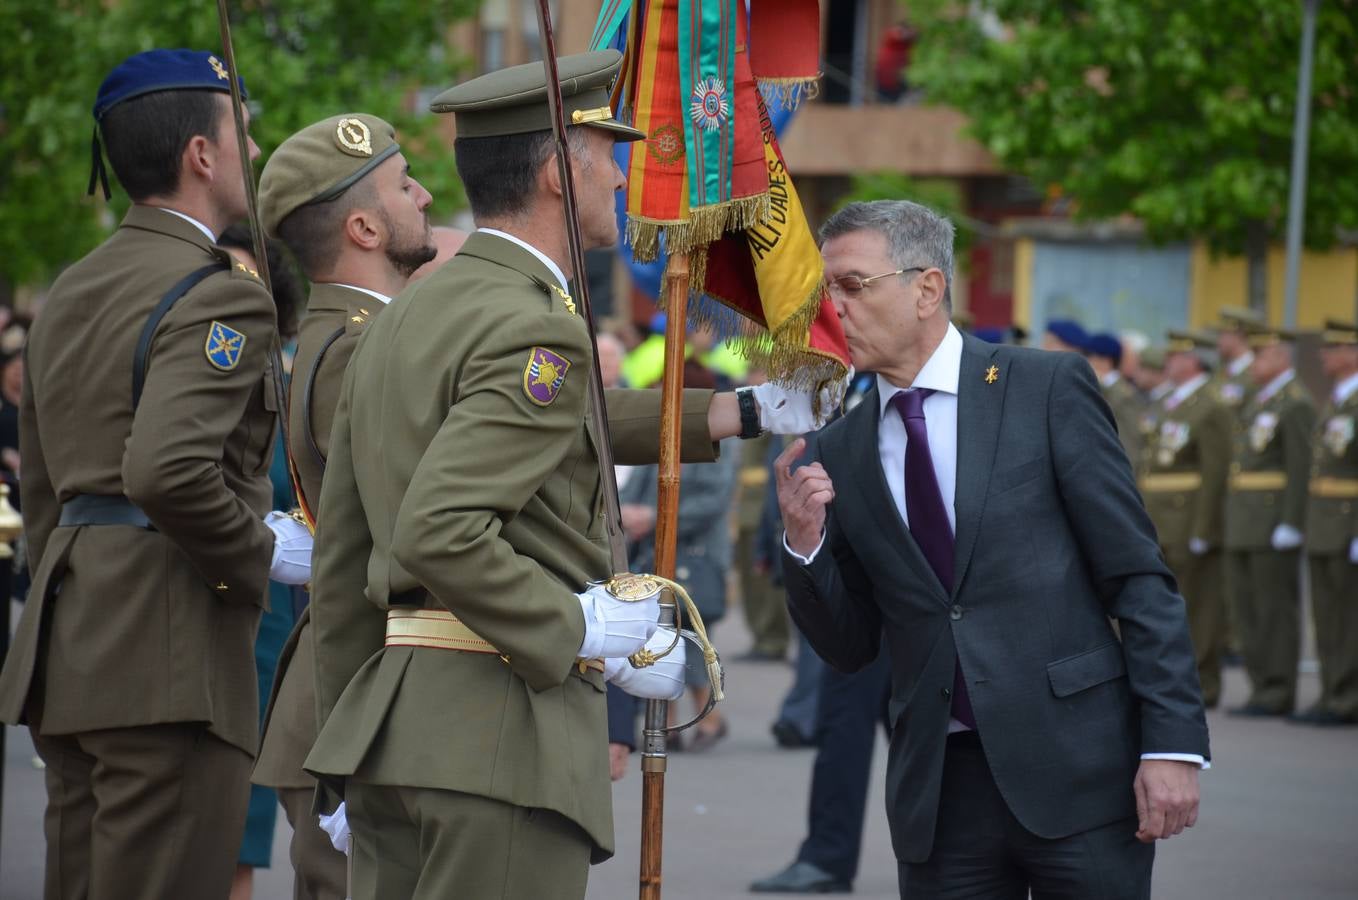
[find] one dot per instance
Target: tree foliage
(1179, 112)
(302, 60)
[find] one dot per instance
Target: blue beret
(1105, 345)
(162, 70)
(1069, 330)
(989, 335)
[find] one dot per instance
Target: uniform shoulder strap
(308, 389)
(148, 331)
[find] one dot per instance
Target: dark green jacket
(1270, 464)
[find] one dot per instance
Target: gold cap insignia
(217, 67)
(353, 137)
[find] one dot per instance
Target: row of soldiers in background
(1243, 477)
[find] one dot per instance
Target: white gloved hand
(1353, 551)
(1285, 537)
(1197, 546)
(616, 627)
(662, 681)
(786, 411)
(291, 549)
(337, 826)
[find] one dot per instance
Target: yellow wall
(1023, 282)
(1328, 287)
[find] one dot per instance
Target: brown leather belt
(441, 630)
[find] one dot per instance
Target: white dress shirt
(546, 260)
(1238, 365)
(382, 298)
(1344, 389)
(192, 221)
(1186, 390)
(1273, 387)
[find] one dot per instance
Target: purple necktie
(928, 517)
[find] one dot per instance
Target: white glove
(337, 826)
(615, 627)
(662, 681)
(785, 411)
(1285, 537)
(291, 549)
(1197, 546)
(1353, 551)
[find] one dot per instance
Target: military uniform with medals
(1184, 489)
(462, 512)
(1331, 530)
(1128, 407)
(1265, 515)
(315, 165)
(133, 662)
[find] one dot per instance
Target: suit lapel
(979, 407)
(867, 466)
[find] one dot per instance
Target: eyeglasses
(853, 285)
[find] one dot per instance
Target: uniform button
(955, 613)
(947, 693)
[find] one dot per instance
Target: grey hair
(915, 234)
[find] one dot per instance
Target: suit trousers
(1201, 581)
(851, 706)
(1334, 602)
(320, 872)
(152, 811)
(429, 844)
(981, 852)
(1265, 586)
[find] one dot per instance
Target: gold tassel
(789, 92)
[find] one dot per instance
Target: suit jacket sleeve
(1118, 541)
(41, 508)
(172, 464)
(1298, 425)
(347, 628)
(495, 449)
(831, 600)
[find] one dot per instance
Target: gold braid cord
(683, 602)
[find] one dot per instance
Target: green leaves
(303, 60)
(1178, 111)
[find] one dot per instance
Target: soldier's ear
(549, 176)
(199, 158)
(364, 229)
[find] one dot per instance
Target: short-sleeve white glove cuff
(291, 563)
(336, 825)
(593, 644)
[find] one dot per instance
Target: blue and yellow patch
(224, 345)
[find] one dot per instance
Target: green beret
(320, 162)
(514, 100)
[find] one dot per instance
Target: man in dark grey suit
(978, 511)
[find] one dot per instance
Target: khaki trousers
(1265, 586)
(1334, 602)
(426, 844)
(762, 602)
(1200, 581)
(155, 812)
(320, 872)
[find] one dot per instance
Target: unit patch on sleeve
(544, 375)
(224, 345)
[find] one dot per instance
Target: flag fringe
(789, 92)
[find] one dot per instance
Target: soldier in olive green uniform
(1332, 533)
(143, 502)
(1184, 487)
(1104, 352)
(1265, 514)
(1232, 381)
(340, 195)
(459, 647)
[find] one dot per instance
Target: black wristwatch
(749, 414)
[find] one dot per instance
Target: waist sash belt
(1329, 486)
(441, 630)
(1171, 481)
(102, 509)
(1258, 481)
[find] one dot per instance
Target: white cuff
(807, 560)
(1180, 757)
(591, 647)
(1285, 537)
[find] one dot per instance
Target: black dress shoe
(1255, 711)
(1325, 718)
(787, 736)
(801, 878)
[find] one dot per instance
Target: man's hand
(797, 411)
(1166, 798)
(291, 549)
(617, 760)
(802, 496)
(638, 520)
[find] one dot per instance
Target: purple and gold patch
(544, 375)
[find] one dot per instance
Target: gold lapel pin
(992, 375)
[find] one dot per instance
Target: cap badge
(544, 375)
(710, 109)
(354, 137)
(217, 67)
